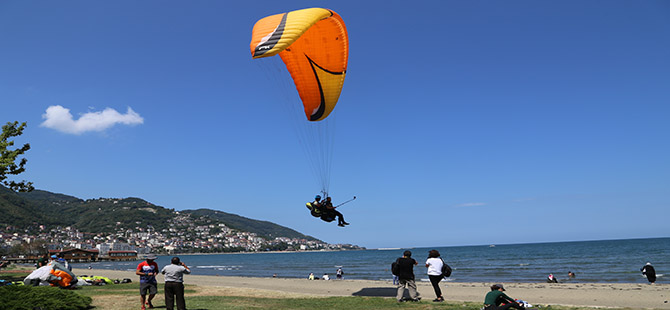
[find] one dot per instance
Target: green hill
(25, 211)
(262, 228)
(18, 212)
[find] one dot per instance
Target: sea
(606, 261)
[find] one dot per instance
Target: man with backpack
(403, 267)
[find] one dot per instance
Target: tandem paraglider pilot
(325, 210)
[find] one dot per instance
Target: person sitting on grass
(495, 298)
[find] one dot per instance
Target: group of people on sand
(403, 268)
(496, 299)
(339, 274)
(174, 282)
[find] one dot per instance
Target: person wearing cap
(406, 277)
(147, 271)
(62, 260)
(174, 283)
(496, 297)
(649, 271)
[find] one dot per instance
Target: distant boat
(492, 246)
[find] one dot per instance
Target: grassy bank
(126, 296)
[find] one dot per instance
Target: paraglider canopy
(314, 46)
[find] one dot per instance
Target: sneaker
(345, 223)
(341, 225)
(401, 300)
(143, 308)
(150, 305)
(416, 299)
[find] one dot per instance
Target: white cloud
(60, 118)
(470, 204)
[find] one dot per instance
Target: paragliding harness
(321, 211)
(327, 215)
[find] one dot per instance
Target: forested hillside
(26, 211)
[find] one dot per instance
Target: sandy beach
(632, 295)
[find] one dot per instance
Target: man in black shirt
(406, 277)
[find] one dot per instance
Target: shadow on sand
(379, 292)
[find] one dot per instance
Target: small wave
(524, 264)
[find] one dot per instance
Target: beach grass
(125, 296)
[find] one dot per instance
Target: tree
(8, 157)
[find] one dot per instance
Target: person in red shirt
(147, 271)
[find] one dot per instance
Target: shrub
(21, 297)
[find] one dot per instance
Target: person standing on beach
(339, 273)
(434, 264)
(174, 283)
(406, 277)
(496, 297)
(42, 261)
(649, 271)
(147, 271)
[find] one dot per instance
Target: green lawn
(126, 296)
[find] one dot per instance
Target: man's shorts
(151, 287)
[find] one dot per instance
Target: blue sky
(460, 122)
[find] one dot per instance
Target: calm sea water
(591, 261)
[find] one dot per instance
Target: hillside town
(183, 235)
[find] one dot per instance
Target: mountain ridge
(27, 211)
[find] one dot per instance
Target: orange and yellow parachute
(314, 46)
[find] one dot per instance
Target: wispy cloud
(60, 118)
(470, 204)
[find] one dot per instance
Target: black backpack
(446, 270)
(395, 268)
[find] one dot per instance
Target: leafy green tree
(8, 157)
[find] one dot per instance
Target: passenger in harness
(315, 207)
(330, 213)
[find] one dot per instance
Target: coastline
(251, 252)
(631, 295)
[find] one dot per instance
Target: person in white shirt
(174, 283)
(434, 264)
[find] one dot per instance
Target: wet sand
(632, 295)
